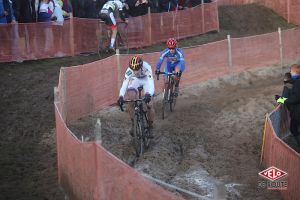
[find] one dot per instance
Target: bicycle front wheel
(171, 97)
(164, 102)
(137, 136)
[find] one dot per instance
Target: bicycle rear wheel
(102, 47)
(103, 41)
(137, 136)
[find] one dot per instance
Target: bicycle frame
(168, 96)
(140, 124)
(105, 37)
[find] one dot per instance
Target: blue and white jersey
(173, 59)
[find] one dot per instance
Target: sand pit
(210, 144)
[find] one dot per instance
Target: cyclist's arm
(161, 58)
(182, 65)
(150, 80)
(128, 75)
(151, 85)
(181, 60)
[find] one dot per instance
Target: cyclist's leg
(114, 30)
(105, 16)
(168, 69)
(177, 80)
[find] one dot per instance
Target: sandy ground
(211, 144)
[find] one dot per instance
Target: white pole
(202, 5)
(217, 7)
(288, 11)
(97, 132)
(82, 140)
(229, 55)
(280, 47)
(119, 67)
(150, 26)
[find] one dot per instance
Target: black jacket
(134, 11)
(293, 101)
(24, 11)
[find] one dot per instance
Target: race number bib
(109, 5)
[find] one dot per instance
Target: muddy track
(210, 144)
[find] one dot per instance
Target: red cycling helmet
(171, 43)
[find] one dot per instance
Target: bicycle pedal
(151, 136)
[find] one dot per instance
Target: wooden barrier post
(119, 67)
(203, 24)
(280, 47)
(288, 11)
(150, 26)
(229, 55)
(263, 141)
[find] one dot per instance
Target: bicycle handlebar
(128, 101)
(167, 73)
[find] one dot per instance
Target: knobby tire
(137, 136)
(146, 139)
(171, 98)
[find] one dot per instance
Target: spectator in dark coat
(292, 101)
(168, 5)
(193, 3)
(154, 4)
(6, 12)
(137, 7)
(87, 8)
(288, 84)
(25, 10)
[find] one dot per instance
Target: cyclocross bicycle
(105, 34)
(141, 131)
(169, 96)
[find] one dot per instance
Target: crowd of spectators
(28, 11)
(90, 8)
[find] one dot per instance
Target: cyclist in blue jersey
(174, 61)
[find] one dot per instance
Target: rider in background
(139, 73)
(109, 13)
(174, 63)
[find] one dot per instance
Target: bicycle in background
(169, 95)
(141, 130)
(105, 35)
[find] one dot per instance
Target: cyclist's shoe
(176, 92)
(150, 130)
(111, 50)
